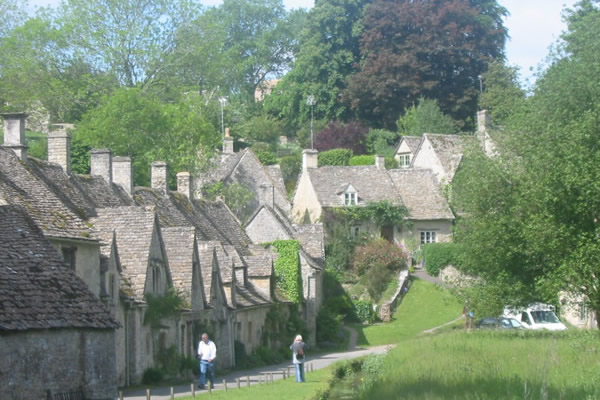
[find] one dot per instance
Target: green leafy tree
(339, 157)
(382, 142)
(434, 49)
(425, 117)
(502, 95)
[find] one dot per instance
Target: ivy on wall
(287, 269)
(160, 307)
(381, 212)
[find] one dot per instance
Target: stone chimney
(14, 133)
(310, 159)
(160, 176)
(267, 195)
(122, 173)
(483, 120)
(227, 143)
(102, 164)
(380, 162)
(184, 184)
(59, 149)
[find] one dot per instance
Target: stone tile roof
(372, 184)
(179, 245)
(103, 194)
(250, 296)
(226, 222)
(413, 143)
(37, 290)
(448, 148)
(19, 184)
(311, 238)
(274, 172)
(421, 194)
(134, 227)
(260, 266)
(208, 253)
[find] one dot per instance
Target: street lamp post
(310, 100)
(222, 100)
(480, 83)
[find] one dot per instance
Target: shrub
(152, 376)
(266, 157)
(377, 278)
(328, 325)
(380, 141)
(362, 160)
(378, 252)
(339, 135)
(341, 305)
(439, 255)
(364, 311)
(340, 157)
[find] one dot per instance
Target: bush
(340, 157)
(439, 255)
(266, 157)
(377, 279)
(328, 325)
(362, 160)
(378, 252)
(364, 311)
(152, 376)
(380, 141)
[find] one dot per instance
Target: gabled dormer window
(350, 198)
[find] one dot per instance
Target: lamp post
(310, 100)
(222, 100)
(480, 83)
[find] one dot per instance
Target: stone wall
(59, 360)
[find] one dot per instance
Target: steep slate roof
(448, 148)
(413, 143)
(179, 245)
(250, 296)
(103, 194)
(222, 217)
(371, 183)
(261, 265)
(21, 185)
(37, 290)
(421, 194)
(207, 254)
(277, 177)
(134, 227)
(311, 238)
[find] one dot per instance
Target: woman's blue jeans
(300, 372)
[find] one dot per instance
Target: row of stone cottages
(422, 182)
(81, 326)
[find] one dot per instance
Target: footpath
(257, 375)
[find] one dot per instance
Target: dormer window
(350, 198)
(404, 160)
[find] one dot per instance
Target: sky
(533, 26)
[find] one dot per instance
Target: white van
(536, 316)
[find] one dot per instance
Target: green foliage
(382, 142)
(328, 325)
(266, 157)
(381, 212)
(425, 117)
(160, 307)
(259, 128)
(439, 255)
(339, 243)
(236, 196)
(339, 157)
(364, 311)
(362, 160)
(290, 169)
(152, 376)
(287, 269)
(502, 95)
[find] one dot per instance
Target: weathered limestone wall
(59, 360)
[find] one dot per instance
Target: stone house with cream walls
(50, 321)
(406, 150)
(320, 188)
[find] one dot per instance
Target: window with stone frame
(68, 254)
(350, 198)
(428, 237)
(404, 160)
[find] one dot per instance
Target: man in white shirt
(207, 352)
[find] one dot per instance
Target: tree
(430, 48)
(336, 135)
(426, 117)
(502, 95)
(329, 53)
(13, 12)
(531, 212)
(130, 38)
(139, 126)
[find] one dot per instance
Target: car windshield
(515, 323)
(544, 317)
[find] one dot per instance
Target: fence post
(193, 390)
(288, 369)
(172, 393)
(120, 395)
(283, 373)
(248, 380)
(225, 384)
(237, 381)
(147, 394)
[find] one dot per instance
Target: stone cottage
(54, 332)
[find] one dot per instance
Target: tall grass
(492, 365)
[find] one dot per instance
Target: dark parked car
(499, 323)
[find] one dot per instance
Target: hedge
(439, 255)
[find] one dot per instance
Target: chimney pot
(184, 184)
(14, 133)
(101, 164)
(310, 159)
(59, 149)
(160, 176)
(122, 173)
(483, 120)
(380, 162)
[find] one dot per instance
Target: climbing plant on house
(287, 269)
(160, 307)
(380, 212)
